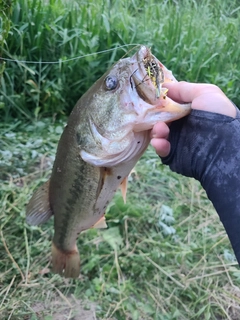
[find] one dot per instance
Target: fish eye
(111, 82)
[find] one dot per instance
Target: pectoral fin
(101, 224)
(38, 209)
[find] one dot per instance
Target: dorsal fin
(38, 209)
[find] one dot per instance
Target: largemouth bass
(106, 134)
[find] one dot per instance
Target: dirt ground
(65, 309)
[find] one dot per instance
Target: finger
(186, 92)
(161, 146)
(160, 130)
(206, 97)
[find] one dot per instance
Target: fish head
(122, 106)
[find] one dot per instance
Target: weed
(164, 256)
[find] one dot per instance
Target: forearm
(206, 146)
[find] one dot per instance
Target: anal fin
(38, 209)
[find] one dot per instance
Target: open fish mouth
(149, 76)
(154, 72)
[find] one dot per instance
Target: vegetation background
(165, 254)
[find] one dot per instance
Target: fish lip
(143, 79)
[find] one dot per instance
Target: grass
(5, 12)
(198, 40)
(164, 256)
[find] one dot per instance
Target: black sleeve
(206, 146)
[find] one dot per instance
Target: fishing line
(70, 59)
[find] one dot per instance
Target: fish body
(106, 134)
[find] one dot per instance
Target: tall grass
(198, 40)
(5, 11)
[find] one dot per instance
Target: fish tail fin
(38, 209)
(66, 264)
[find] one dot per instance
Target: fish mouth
(149, 76)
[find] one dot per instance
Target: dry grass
(164, 256)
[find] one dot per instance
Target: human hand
(205, 145)
(205, 97)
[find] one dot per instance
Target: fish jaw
(157, 106)
(166, 111)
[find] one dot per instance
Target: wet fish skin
(106, 134)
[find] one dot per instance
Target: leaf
(106, 23)
(58, 129)
(166, 218)
(113, 237)
(167, 230)
(166, 210)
